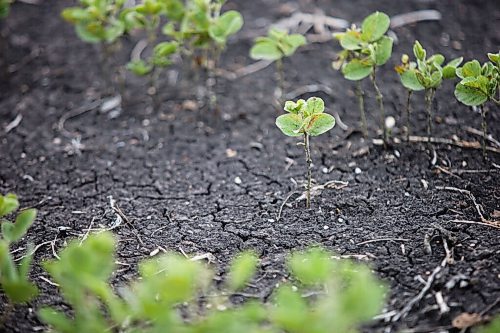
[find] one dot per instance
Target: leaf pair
(276, 45)
(364, 48)
(96, 20)
(478, 83)
(14, 280)
(305, 117)
(426, 73)
(161, 58)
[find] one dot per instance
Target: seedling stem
(429, 97)
(309, 169)
(408, 113)
(484, 126)
(380, 101)
(361, 101)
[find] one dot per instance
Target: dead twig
(75, 113)
(383, 240)
(278, 217)
(488, 137)
(400, 20)
(14, 123)
(458, 143)
(478, 207)
(415, 300)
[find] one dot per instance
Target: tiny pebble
(324, 170)
(326, 227)
(237, 180)
(270, 220)
(341, 220)
(397, 153)
(357, 171)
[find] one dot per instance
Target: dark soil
(174, 168)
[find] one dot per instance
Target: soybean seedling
(146, 16)
(306, 119)
(478, 85)
(427, 73)
(204, 27)
(365, 49)
(14, 280)
(277, 45)
(98, 22)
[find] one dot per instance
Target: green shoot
(478, 85)
(14, 280)
(427, 73)
(168, 294)
(277, 45)
(98, 22)
(306, 118)
(365, 49)
(204, 27)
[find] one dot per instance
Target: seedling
(203, 27)
(171, 290)
(425, 74)
(365, 49)
(478, 85)
(4, 8)
(306, 118)
(277, 45)
(98, 22)
(14, 280)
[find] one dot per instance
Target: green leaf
(436, 59)
(471, 68)
(311, 267)
(265, 51)
(319, 124)
(375, 26)
(291, 43)
(455, 62)
(242, 270)
(115, 29)
(19, 291)
(314, 105)
(13, 232)
(225, 25)
(86, 35)
(495, 58)
(419, 51)
(436, 79)
(356, 70)
(449, 72)
(470, 96)
(289, 124)
(290, 312)
(410, 81)
(350, 40)
(8, 204)
(292, 107)
(139, 67)
(383, 50)
(56, 319)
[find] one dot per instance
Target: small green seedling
(427, 73)
(306, 118)
(204, 27)
(175, 294)
(147, 16)
(277, 45)
(14, 280)
(98, 22)
(4, 8)
(478, 85)
(365, 49)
